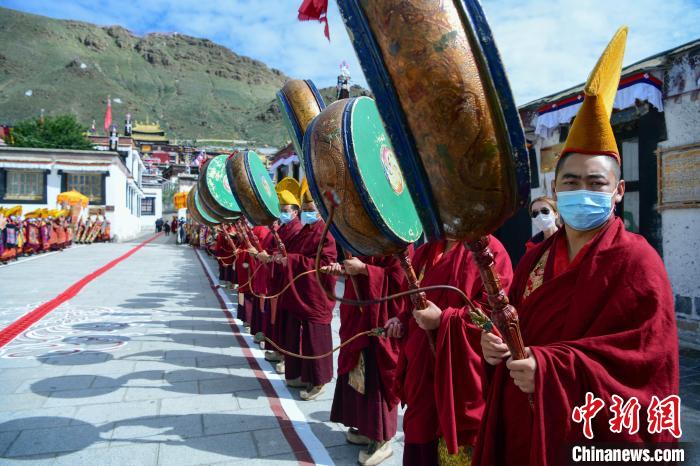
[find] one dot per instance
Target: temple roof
(147, 128)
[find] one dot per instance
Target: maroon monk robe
(308, 326)
(445, 399)
(278, 280)
(605, 324)
(259, 282)
(373, 413)
(224, 254)
(245, 265)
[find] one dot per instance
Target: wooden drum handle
(503, 314)
(419, 300)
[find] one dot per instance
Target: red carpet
(20, 325)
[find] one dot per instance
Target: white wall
(681, 227)
(125, 224)
(149, 221)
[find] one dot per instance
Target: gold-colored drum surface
(346, 151)
(300, 102)
(435, 69)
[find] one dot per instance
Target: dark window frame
(103, 183)
(3, 187)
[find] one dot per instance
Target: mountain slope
(194, 87)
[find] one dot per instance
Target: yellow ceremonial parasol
(72, 197)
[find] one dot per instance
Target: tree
(58, 132)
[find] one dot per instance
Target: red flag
(108, 115)
(315, 10)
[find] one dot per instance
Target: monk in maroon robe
(259, 281)
(308, 324)
(443, 391)
(596, 314)
(276, 319)
(244, 271)
(223, 251)
(364, 400)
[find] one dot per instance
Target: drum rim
(206, 192)
(354, 169)
(198, 205)
(317, 95)
(506, 110)
(231, 179)
(289, 111)
(192, 209)
(393, 115)
(251, 180)
(207, 200)
(318, 198)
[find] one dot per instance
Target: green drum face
(200, 210)
(377, 174)
(261, 181)
(347, 151)
(218, 185)
(252, 187)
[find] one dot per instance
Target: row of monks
(594, 302)
(44, 230)
(604, 323)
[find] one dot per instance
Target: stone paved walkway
(143, 367)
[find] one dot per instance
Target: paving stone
(84, 397)
(6, 439)
(208, 450)
(36, 418)
(252, 399)
(106, 413)
(157, 428)
(271, 442)
(56, 440)
(175, 390)
(199, 404)
(143, 455)
(225, 422)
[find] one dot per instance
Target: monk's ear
(619, 192)
(554, 189)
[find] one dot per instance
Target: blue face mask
(584, 210)
(307, 218)
(286, 217)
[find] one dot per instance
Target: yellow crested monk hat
(288, 191)
(591, 133)
(305, 193)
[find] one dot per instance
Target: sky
(546, 45)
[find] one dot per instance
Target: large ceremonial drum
(347, 151)
(194, 207)
(300, 102)
(252, 187)
(443, 95)
(215, 192)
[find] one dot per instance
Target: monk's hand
(280, 259)
(355, 266)
(252, 251)
(263, 257)
(428, 318)
(493, 348)
(334, 269)
(523, 371)
(394, 328)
